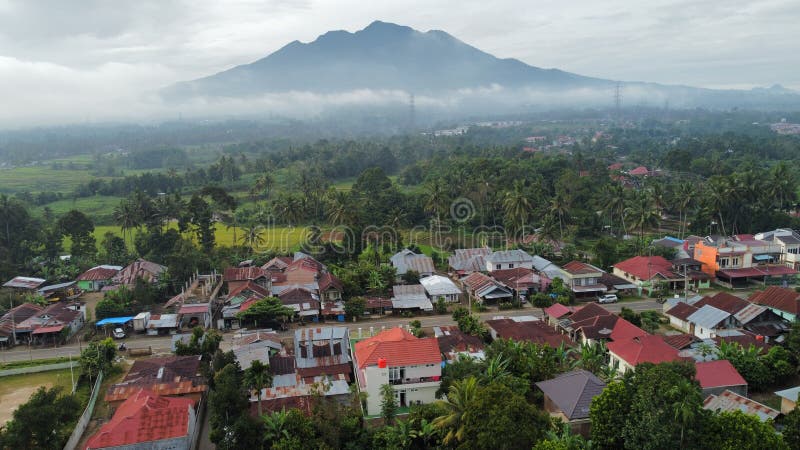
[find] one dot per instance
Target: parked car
(608, 298)
(118, 333)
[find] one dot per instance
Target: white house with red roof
(411, 365)
(583, 279)
(626, 354)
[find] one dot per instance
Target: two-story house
(789, 242)
(411, 365)
(583, 279)
(508, 259)
(649, 273)
(736, 261)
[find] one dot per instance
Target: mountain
(389, 57)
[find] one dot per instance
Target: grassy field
(16, 390)
(42, 178)
(282, 239)
(99, 208)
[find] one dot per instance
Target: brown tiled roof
(534, 331)
(457, 341)
(517, 278)
(98, 273)
(20, 313)
(252, 287)
(328, 281)
(597, 327)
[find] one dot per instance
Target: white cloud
(99, 59)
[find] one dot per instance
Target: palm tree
(257, 377)
(559, 205)
(613, 198)
(436, 203)
(643, 214)
(263, 185)
(459, 401)
(781, 186)
(562, 355)
(686, 405)
(685, 195)
(517, 207)
(253, 237)
(338, 207)
(126, 216)
(496, 369)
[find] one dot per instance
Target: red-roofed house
(411, 365)
(649, 271)
(639, 171)
(557, 312)
(715, 377)
(626, 354)
(148, 421)
(95, 278)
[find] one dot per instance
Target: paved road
(162, 344)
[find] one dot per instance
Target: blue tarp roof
(762, 257)
(114, 320)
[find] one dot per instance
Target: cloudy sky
(90, 59)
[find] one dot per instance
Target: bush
(503, 306)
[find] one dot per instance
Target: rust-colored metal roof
(244, 273)
(535, 331)
(99, 273)
(24, 283)
(144, 417)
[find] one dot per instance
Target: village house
(236, 277)
(97, 277)
(437, 286)
(789, 399)
(568, 397)
(716, 377)
(171, 376)
(649, 273)
(626, 354)
(485, 289)
(322, 351)
(710, 315)
(527, 328)
(410, 297)
(148, 421)
(730, 402)
(508, 259)
(783, 302)
(741, 259)
(10, 333)
(139, 269)
(464, 261)
(523, 282)
(454, 344)
(24, 285)
(405, 260)
(547, 271)
(48, 325)
(583, 279)
(789, 242)
(557, 312)
(411, 365)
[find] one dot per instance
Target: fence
(36, 369)
(83, 422)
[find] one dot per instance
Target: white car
(118, 333)
(608, 298)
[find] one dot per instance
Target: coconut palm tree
(592, 357)
(126, 215)
(253, 237)
(517, 207)
(338, 207)
(559, 206)
(459, 401)
(257, 377)
(643, 214)
(782, 186)
(436, 203)
(613, 198)
(496, 370)
(684, 198)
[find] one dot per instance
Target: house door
(402, 373)
(402, 399)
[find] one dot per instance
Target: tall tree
(257, 377)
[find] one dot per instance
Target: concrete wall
(37, 369)
(415, 392)
(80, 427)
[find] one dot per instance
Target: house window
(735, 262)
(498, 266)
(723, 262)
(794, 251)
(394, 373)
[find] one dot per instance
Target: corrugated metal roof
(749, 313)
(730, 401)
(509, 256)
(439, 285)
(708, 317)
(24, 283)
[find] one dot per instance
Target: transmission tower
(617, 100)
